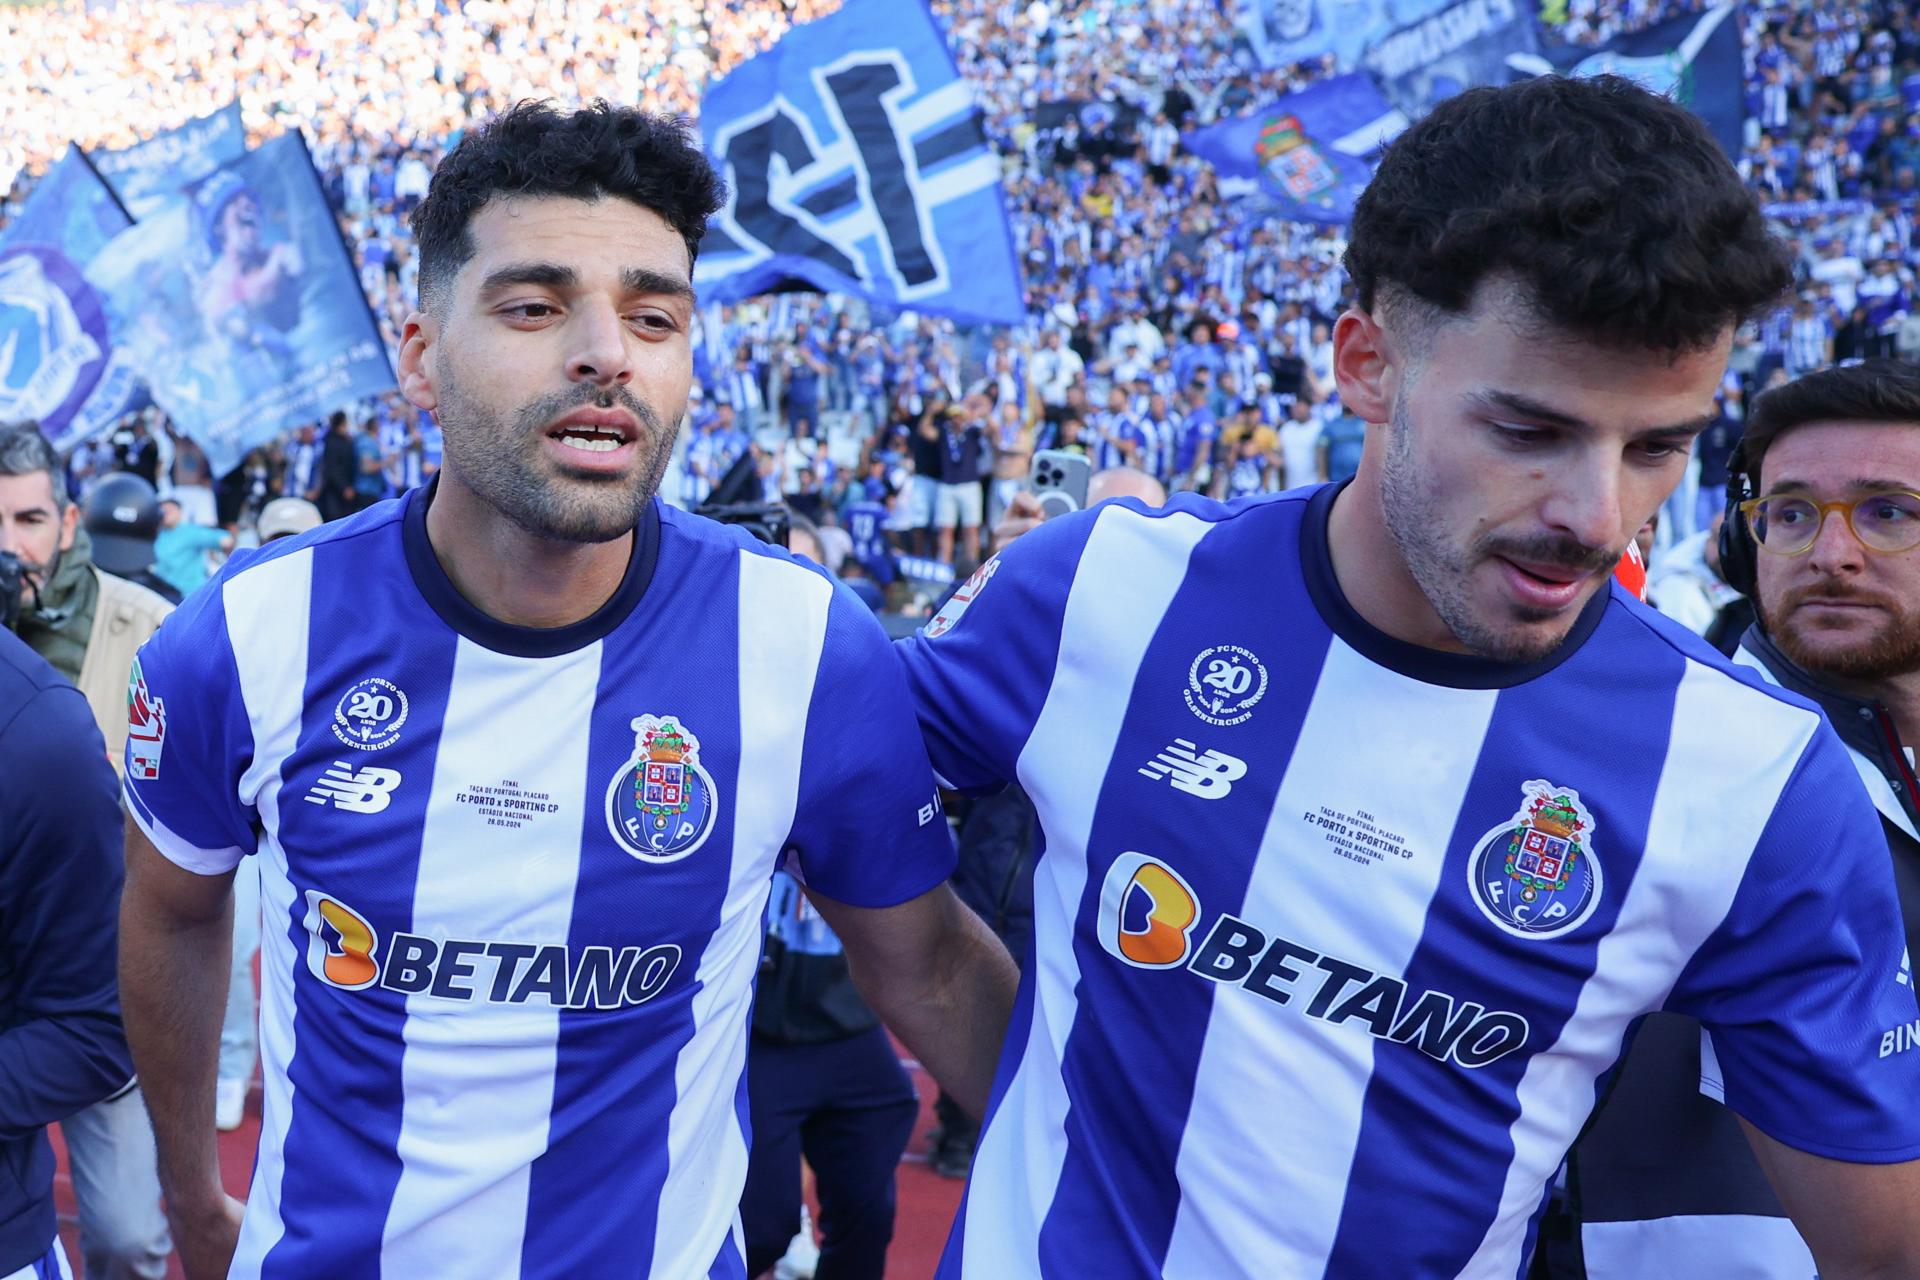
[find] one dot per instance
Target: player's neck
(514, 576)
(1373, 577)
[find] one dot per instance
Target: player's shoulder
(1760, 716)
(1177, 520)
(213, 606)
(781, 573)
(25, 676)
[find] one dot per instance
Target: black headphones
(1739, 553)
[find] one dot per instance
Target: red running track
(927, 1201)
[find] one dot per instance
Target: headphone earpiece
(1739, 554)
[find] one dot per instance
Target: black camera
(14, 589)
(765, 521)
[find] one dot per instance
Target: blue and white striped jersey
(514, 881)
(1336, 938)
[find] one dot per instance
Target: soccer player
(1376, 814)
(519, 755)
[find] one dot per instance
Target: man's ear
(417, 358)
(1365, 367)
(69, 523)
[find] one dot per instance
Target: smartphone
(1059, 480)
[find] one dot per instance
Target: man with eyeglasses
(1823, 533)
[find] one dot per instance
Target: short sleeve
(980, 670)
(189, 741)
(1804, 990)
(868, 830)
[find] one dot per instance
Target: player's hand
(1022, 516)
(206, 1236)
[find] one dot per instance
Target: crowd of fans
(1167, 331)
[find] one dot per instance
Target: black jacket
(61, 1048)
(1657, 1149)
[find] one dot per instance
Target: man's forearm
(955, 1021)
(173, 990)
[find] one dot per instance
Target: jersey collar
(1430, 666)
(503, 637)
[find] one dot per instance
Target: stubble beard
(501, 461)
(1891, 650)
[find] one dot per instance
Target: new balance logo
(368, 791)
(1209, 774)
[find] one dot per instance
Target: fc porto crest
(1537, 877)
(660, 805)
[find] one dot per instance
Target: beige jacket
(125, 615)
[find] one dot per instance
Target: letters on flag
(1460, 46)
(145, 174)
(856, 163)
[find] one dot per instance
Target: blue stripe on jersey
(1436, 1140)
(1009, 633)
(1113, 1213)
(345, 1072)
(608, 1128)
(728, 1264)
(1003, 1073)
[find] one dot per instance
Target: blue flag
(1695, 60)
(57, 360)
(145, 174)
(856, 164)
(1277, 32)
(237, 303)
(1462, 45)
(1302, 156)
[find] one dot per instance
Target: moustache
(1560, 552)
(1827, 593)
(535, 417)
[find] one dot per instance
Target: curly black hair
(533, 149)
(1612, 207)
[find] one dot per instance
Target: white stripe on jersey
(1432, 736)
(1713, 715)
(450, 1080)
(1130, 570)
(267, 610)
(783, 622)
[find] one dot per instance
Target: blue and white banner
(1462, 45)
(1303, 156)
(146, 173)
(239, 307)
(1695, 60)
(57, 364)
(855, 162)
(1805, 210)
(1278, 32)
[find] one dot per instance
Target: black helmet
(122, 516)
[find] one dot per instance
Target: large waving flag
(146, 173)
(238, 305)
(1278, 32)
(1695, 60)
(1302, 156)
(856, 163)
(57, 359)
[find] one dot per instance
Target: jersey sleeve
(1804, 991)
(189, 741)
(869, 830)
(980, 670)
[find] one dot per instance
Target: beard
(501, 460)
(1889, 650)
(1444, 572)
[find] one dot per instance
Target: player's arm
(61, 1049)
(938, 977)
(176, 933)
(1860, 1220)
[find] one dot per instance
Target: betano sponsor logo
(1149, 917)
(344, 951)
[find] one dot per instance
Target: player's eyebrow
(1537, 411)
(553, 275)
(1863, 484)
